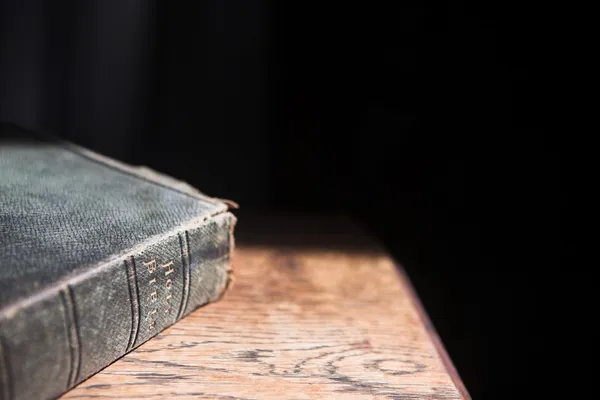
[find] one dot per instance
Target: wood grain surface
(319, 320)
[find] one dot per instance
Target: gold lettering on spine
(155, 280)
(151, 266)
(152, 317)
(168, 268)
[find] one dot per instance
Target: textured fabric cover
(61, 212)
(96, 257)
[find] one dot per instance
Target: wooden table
(317, 310)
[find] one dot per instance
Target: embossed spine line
(134, 299)
(5, 373)
(72, 327)
(77, 336)
(185, 262)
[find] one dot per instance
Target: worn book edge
(141, 172)
(11, 309)
(62, 290)
(67, 296)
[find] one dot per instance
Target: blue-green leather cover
(96, 257)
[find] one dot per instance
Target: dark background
(427, 121)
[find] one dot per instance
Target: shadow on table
(308, 231)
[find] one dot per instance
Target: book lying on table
(96, 257)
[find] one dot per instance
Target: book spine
(52, 344)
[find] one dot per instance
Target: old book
(96, 257)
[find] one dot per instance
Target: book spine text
(51, 345)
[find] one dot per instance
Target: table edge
(431, 331)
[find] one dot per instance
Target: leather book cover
(96, 257)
